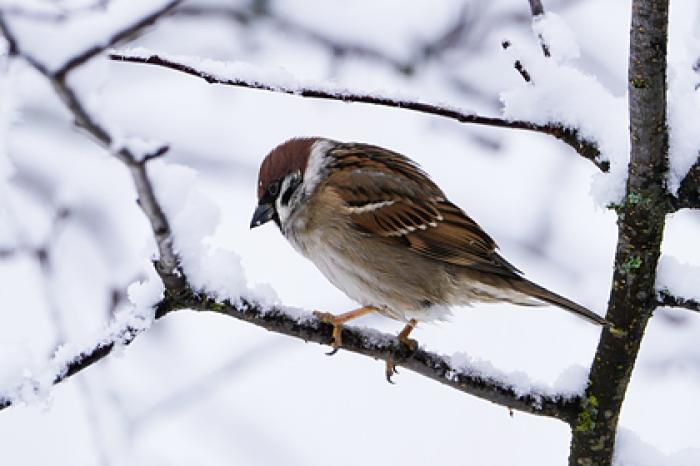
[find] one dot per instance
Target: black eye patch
(287, 194)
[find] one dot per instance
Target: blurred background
(206, 389)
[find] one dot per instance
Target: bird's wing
(388, 196)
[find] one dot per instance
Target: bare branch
(570, 136)
(537, 9)
(518, 64)
(167, 264)
(669, 300)
(124, 34)
(360, 341)
(57, 16)
(338, 48)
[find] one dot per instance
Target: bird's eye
(273, 188)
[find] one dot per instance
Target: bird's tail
(536, 291)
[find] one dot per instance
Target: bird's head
(289, 173)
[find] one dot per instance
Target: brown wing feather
(409, 210)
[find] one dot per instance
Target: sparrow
(381, 231)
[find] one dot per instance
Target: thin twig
(168, 264)
(537, 9)
(123, 34)
(570, 136)
(669, 300)
(518, 64)
(55, 16)
(430, 49)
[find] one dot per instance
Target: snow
(193, 220)
(203, 382)
(7, 115)
(35, 385)
(55, 42)
(272, 77)
(683, 115)
(571, 383)
(679, 278)
(562, 94)
(556, 33)
(137, 146)
(631, 450)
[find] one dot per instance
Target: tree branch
(123, 34)
(428, 50)
(689, 192)
(586, 149)
(179, 295)
(356, 340)
(537, 9)
(669, 300)
(641, 220)
(168, 264)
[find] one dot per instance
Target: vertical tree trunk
(641, 218)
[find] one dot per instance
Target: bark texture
(641, 218)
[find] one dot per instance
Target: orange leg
(404, 340)
(338, 321)
(403, 335)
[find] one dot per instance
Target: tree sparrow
(382, 232)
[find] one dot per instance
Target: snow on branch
(251, 77)
(667, 299)
(688, 196)
(475, 379)
(69, 360)
(168, 265)
(471, 378)
(678, 284)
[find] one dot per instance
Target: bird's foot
(337, 339)
(404, 340)
(410, 343)
(337, 322)
(390, 369)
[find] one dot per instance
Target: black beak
(263, 214)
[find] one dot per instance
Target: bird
(380, 230)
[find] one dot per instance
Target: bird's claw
(328, 318)
(409, 343)
(390, 369)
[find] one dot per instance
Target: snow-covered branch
(367, 342)
(537, 10)
(669, 300)
(247, 76)
(168, 265)
(678, 284)
(688, 196)
(178, 293)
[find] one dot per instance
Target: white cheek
(317, 164)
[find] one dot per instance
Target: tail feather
(536, 291)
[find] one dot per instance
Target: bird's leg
(337, 322)
(410, 343)
(403, 335)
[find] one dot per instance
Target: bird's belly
(348, 269)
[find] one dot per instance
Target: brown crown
(288, 157)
